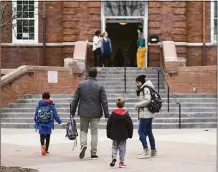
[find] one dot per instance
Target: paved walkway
(191, 150)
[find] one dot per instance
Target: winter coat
(144, 98)
(106, 48)
(91, 97)
(119, 125)
(46, 128)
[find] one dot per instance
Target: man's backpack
(44, 114)
(156, 103)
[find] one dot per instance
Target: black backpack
(71, 130)
(156, 103)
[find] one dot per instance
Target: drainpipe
(204, 35)
(44, 34)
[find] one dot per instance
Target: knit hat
(141, 78)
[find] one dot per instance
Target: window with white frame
(25, 21)
(214, 21)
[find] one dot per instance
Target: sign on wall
(52, 77)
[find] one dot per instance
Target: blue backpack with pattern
(44, 114)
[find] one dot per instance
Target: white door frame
(116, 19)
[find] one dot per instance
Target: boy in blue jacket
(44, 120)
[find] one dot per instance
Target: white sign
(52, 77)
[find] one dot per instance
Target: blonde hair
(120, 102)
(105, 33)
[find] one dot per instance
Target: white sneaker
(144, 154)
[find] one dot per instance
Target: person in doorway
(97, 49)
(91, 97)
(119, 58)
(119, 129)
(44, 120)
(141, 50)
(145, 116)
(106, 50)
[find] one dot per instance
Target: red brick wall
(201, 77)
(194, 56)
(74, 21)
(37, 83)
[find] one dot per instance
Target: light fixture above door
(123, 23)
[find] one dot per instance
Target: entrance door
(123, 37)
(132, 13)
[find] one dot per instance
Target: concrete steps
(198, 111)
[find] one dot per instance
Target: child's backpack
(156, 103)
(71, 129)
(44, 114)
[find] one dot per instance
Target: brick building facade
(68, 22)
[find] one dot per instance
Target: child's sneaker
(122, 165)
(154, 152)
(43, 150)
(114, 160)
(144, 154)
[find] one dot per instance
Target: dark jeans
(44, 137)
(97, 57)
(145, 129)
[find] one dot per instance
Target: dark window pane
(19, 7)
(25, 15)
(25, 2)
(25, 8)
(31, 36)
(215, 9)
(215, 26)
(31, 14)
(26, 23)
(19, 36)
(25, 29)
(31, 7)
(19, 15)
(31, 29)
(31, 2)
(19, 23)
(19, 2)
(31, 23)
(19, 29)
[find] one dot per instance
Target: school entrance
(122, 19)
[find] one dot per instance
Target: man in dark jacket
(119, 129)
(91, 97)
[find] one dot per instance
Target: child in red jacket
(119, 129)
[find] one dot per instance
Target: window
(25, 21)
(124, 8)
(214, 21)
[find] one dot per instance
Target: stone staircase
(198, 111)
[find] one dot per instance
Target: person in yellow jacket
(141, 50)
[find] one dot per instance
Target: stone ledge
(16, 73)
(78, 62)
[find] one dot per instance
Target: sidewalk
(191, 150)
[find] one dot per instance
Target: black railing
(168, 94)
(125, 75)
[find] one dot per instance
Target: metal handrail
(125, 75)
(168, 88)
(168, 95)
